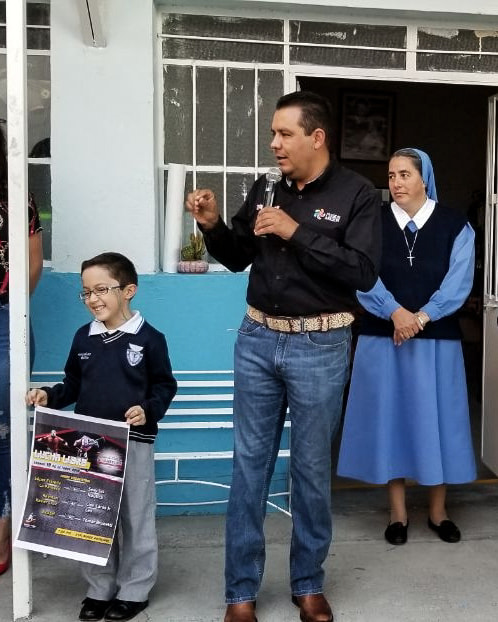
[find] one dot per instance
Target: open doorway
(449, 121)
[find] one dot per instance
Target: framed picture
(366, 126)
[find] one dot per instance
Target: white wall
(469, 7)
(489, 7)
(103, 142)
(103, 172)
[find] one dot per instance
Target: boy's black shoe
(122, 610)
(93, 609)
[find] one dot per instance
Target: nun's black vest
(412, 286)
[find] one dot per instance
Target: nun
(407, 414)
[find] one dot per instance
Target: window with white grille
(38, 97)
(223, 75)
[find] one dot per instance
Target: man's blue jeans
(307, 372)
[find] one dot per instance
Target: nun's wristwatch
(422, 318)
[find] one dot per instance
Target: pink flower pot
(193, 267)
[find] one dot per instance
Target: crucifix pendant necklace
(411, 256)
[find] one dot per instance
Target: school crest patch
(134, 354)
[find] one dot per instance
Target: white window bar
(19, 290)
(490, 263)
(164, 35)
(288, 87)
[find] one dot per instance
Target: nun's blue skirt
(407, 414)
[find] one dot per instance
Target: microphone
(273, 176)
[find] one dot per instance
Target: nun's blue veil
(427, 173)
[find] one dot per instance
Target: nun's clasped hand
(406, 325)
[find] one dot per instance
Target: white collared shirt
(131, 326)
(420, 218)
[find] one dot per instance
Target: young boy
(118, 368)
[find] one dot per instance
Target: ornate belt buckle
(324, 322)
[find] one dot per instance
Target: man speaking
(310, 250)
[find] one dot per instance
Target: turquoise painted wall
(199, 314)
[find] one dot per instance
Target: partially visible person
(35, 269)
(308, 254)
(125, 375)
(407, 413)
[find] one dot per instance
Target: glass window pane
(488, 41)
(224, 27)
(238, 186)
(39, 185)
(270, 88)
(38, 106)
(177, 114)
(223, 50)
(240, 117)
(38, 13)
(380, 59)
(209, 114)
(38, 38)
(457, 62)
(457, 39)
(348, 34)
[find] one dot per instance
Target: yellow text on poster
(82, 536)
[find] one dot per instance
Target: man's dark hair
(316, 112)
(412, 155)
(118, 266)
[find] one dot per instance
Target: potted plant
(192, 255)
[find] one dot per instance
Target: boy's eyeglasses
(99, 291)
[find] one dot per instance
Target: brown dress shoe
(241, 612)
(313, 608)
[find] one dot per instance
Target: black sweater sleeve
(235, 248)
(66, 392)
(163, 385)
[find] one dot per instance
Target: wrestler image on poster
(74, 491)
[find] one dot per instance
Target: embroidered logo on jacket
(84, 356)
(134, 354)
(321, 214)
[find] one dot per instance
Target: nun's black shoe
(396, 533)
(446, 530)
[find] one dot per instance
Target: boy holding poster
(118, 368)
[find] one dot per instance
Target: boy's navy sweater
(106, 374)
(412, 286)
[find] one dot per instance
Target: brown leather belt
(302, 324)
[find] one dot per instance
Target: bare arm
(35, 260)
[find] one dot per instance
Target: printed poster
(75, 483)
